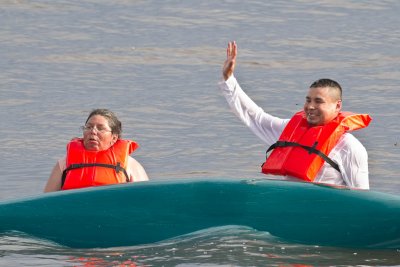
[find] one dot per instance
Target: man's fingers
(230, 51)
(234, 52)
(229, 64)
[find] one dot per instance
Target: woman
(101, 157)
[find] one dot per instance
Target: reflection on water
(156, 64)
(220, 246)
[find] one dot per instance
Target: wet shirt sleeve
(268, 128)
(353, 158)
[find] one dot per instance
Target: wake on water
(217, 246)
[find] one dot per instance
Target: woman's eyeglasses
(88, 128)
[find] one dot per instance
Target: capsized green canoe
(147, 212)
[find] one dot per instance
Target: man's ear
(339, 105)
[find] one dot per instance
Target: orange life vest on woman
(93, 168)
(302, 150)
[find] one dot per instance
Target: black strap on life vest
(310, 149)
(117, 169)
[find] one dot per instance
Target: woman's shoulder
(136, 170)
(132, 161)
(62, 163)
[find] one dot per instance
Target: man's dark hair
(328, 83)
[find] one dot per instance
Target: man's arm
(265, 126)
(354, 162)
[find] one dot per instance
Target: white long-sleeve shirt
(349, 153)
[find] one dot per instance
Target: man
(314, 145)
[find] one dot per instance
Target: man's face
(322, 105)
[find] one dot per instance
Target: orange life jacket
(86, 168)
(302, 150)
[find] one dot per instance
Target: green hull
(142, 213)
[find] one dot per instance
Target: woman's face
(97, 134)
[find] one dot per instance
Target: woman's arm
(54, 181)
(136, 171)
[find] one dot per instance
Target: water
(223, 246)
(157, 64)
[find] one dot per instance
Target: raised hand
(230, 62)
